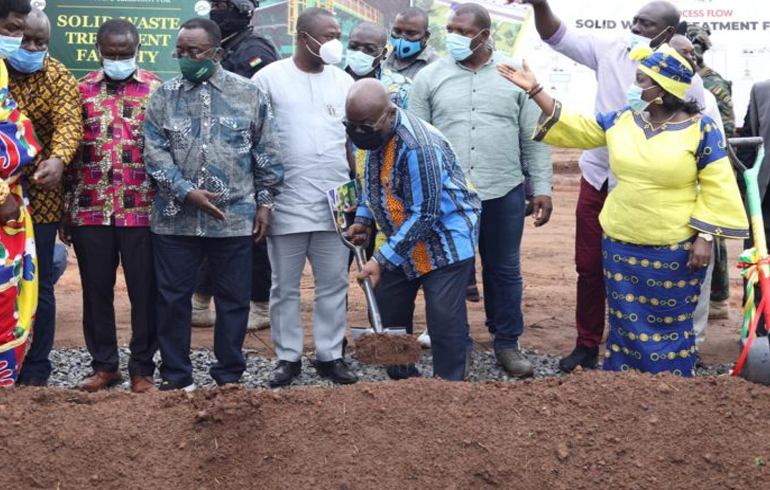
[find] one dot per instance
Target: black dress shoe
(31, 381)
(402, 371)
(472, 294)
(337, 371)
(584, 357)
(284, 373)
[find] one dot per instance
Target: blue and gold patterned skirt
(651, 297)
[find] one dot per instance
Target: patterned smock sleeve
(268, 168)
(158, 157)
(718, 208)
(568, 129)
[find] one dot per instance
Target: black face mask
(229, 21)
(367, 140)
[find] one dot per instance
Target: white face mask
(360, 63)
(330, 51)
(635, 40)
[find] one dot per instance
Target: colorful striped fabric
(416, 191)
(18, 263)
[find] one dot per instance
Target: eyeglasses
(363, 127)
(117, 57)
(193, 54)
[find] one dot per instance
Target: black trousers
(176, 259)
(99, 250)
(260, 275)
(445, 308)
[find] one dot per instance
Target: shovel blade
(757, 367)
(359, 331)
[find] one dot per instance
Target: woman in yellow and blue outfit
(676, 191)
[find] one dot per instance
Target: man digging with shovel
(415, 189)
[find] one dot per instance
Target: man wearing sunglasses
(415, 189)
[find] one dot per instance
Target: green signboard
(74, 24)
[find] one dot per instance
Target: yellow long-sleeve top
(672, 182)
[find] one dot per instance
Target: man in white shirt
(308, 96)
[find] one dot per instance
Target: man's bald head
(370, 32)
(656, 20)
(368, 99)
(684, 47)
(370, 114)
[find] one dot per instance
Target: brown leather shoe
(142, 384)
(100, 381)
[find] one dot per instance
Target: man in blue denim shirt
(212, 151)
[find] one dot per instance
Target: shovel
(755, 356)
(378, 345)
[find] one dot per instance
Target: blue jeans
(60, 255)
(36, 363)
(502, 226)
(176, 269)
(445, 311)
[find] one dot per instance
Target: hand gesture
(700, 255)
(49, 173)
(202, 200)
(261, 224)
(522, 78)
(542, 207)
(358, 234)
(9, 210)
(372, 271)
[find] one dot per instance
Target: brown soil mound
(588, 431)
(386, 349)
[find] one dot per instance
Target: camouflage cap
(699, 37)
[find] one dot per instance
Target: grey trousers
(700, 317)
(329, 260)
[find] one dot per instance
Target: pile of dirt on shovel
(587, 431)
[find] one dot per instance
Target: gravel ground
(72, 365)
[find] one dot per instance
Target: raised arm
(559, 127)
(546, 21)
(525, 80)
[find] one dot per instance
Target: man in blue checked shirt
(416, 191)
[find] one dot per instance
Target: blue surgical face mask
(25, 61)
(634, 98)
(635, 40)
(360, 63)
(119, 70)
(459, 46)
(404, 48)
(9, 45)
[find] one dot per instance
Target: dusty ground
(549, 295)
(587, 431)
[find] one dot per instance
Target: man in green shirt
(490, 124)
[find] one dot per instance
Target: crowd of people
(213, 185)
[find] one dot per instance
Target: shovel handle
(371, 301)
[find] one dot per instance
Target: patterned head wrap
(667, 67)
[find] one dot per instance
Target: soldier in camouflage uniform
(722, 90)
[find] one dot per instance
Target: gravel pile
(72, 365)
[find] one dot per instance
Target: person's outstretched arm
(546, 21)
